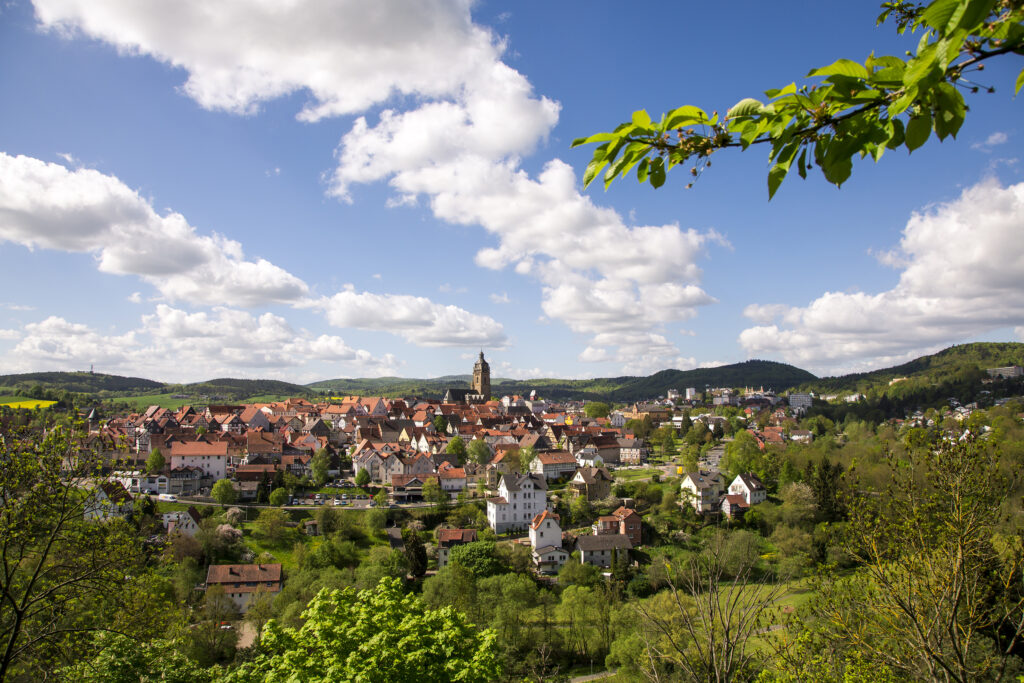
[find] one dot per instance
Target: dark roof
(603, 542)
(258, 574)
(446, 538)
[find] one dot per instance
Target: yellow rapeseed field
(30, 404)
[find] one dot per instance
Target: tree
(155, 462)
(939, 575)
(278, 497)
(362, 477)
(848, 109)
(223, 492)
(478, 558)
(328, 519)
(121, 659)
(320, 463)
(717, 606)
(433, 493)
(595, 409)
(415, 552)
(457, 447)
(58, 570)
(272, 525)
(479, 452)
(440, 424)
(380, 498)
(380, 635)
(526, 456)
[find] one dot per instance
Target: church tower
(482, 378)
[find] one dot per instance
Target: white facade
(520, 499)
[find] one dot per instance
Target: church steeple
(482, 378)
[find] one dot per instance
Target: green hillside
(945, 366)
(78, 382)
(755, 373)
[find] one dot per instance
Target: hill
(768, 374)
(242, 388)
(78, 382)
(948, 365)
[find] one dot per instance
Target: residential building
(520, 498)
(241, 582)
(595, 483)
(749, 487)
(702, 489)
(601, 550)
(448, 539)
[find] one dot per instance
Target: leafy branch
(850, 109)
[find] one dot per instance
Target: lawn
(630, 475)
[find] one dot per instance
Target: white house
(108, 501)
(554, 465)
(182, 521)
(211, 458)
(750, 487)
(521, 497)
(448, 539)
(546, 541)
(702, 489)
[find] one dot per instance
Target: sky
(305, 190)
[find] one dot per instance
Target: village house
(601, 550)
(594, 483)
(748, 486)
(109, 500)
(546, 542)
(241, 582)
(211, 458)
(554, 465)
(702, 489)
(448, 539)
(185, 522)
(623, 521)
(520, 498)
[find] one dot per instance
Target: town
(559, 525)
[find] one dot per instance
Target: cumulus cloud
(417, 319)
(174, 345)
(456, 122)
(44, 205)
(961, 263)
(348, 55)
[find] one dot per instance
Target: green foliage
(457, 447)
(120, 659)
(596, 409)
(375, 635)
(61, 571)
(440, 424)
(415, 552)
(847, 110)
(526, 456)
(278, 497)
(479, 452)
(223, 492)
(363, 478)
(478, 558)
(272, 526)
(320, 464)
(155, 462)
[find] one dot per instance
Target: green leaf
(641, 119)
(597, 137)
(775, 178)
(841, 67)
(895, 134)
(657, 173)
(1020, 83)
(748, 106)
(774, 92)
(685, 116)
(641, 170)
(918, 130)
(801, 164)
(939, 13)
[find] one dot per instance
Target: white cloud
(348, 55)
(44, 205)
(997, 138)
(417, 319)
(17, 307)
(456, 140)
(135, 297)
(174, 345)
(962, 263)
(501, 298)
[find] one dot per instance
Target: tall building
(482, 378)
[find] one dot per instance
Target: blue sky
(308, 190)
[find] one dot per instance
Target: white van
(167, 497)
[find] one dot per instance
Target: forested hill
(946, 366)
(79, 382)
(754, 373)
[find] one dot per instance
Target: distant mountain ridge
(752, 373)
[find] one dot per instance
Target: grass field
(630, 475)
(22, 402)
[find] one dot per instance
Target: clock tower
(482, 378)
